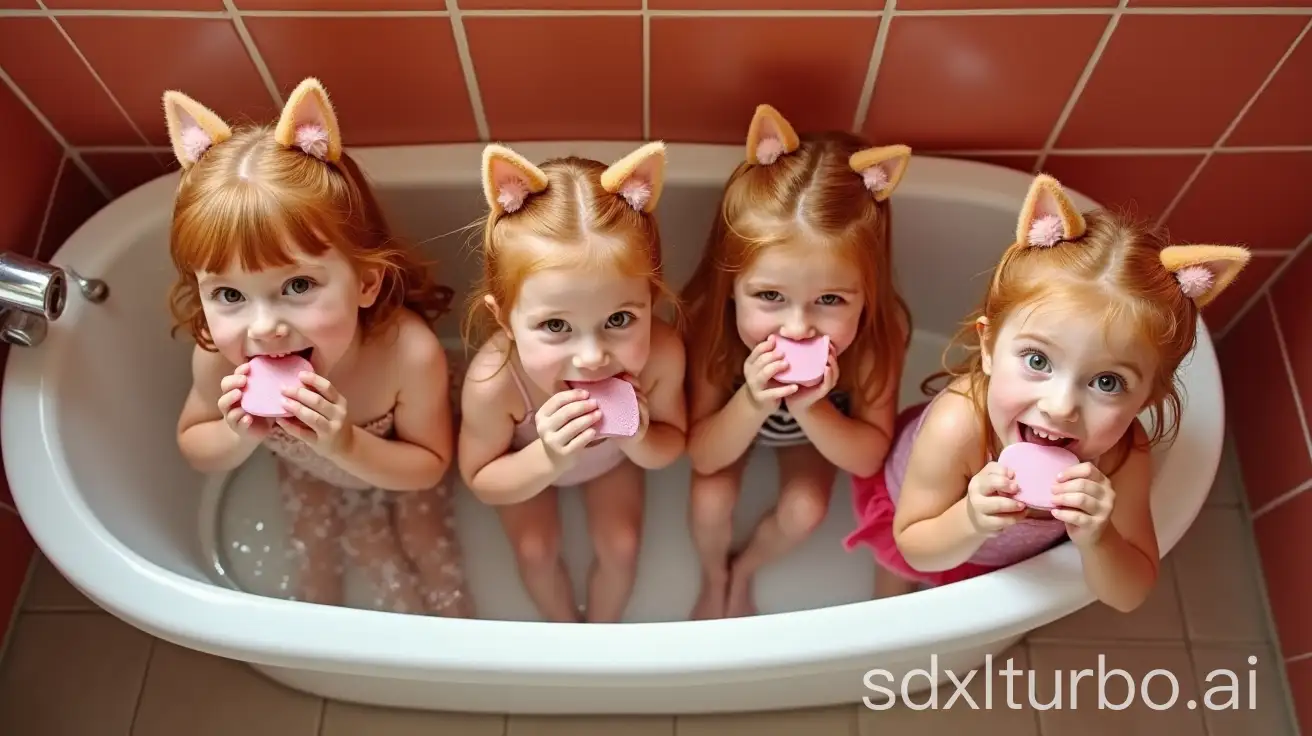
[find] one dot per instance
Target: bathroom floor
(71, 669)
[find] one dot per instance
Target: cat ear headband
(509, 179)
(1049, 217)
(771, 136)
(307, 123)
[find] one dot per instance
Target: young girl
(571, 276)
(281, 248)
(800, 249)
(1085, 321)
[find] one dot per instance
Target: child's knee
(537, 548)
(711, 501)
(617, 545)
(802, 509)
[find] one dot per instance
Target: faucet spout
(33, 294)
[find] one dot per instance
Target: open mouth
(1038, 436)
(302, 353)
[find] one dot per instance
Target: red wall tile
(31, 158)
(1254, 278)
(1282, 114)
(16, 549)
(1253, 199)
(1285, 546)
(1141, 185)
(1300, 688)
(76, 199)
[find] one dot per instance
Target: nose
(1059, 404)
(796, 326)
(590, 355)
(267, 325)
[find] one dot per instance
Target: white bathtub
(88, 438)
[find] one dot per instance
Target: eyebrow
(771, 286)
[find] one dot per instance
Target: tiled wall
(1189, 111)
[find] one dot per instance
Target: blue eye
(1109, 383)
(1036, 362)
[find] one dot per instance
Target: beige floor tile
(1216, 566)
(590, 726)
(1240, 697)
(1055, 668)
(349, 719)
(831, 721)
(71, 674)
(1228, 488)
(196, 694)
(49, 591)
(987, 711)
(1158, 619)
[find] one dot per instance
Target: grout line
(1230, 129)
(125, 149)
(872, 69)
(1298, 657)
(467, 66)
(71, 152)
(536, 13)
(4, 506)
(1123, 152)
(646, 72)
(1289, 371)
(323, 709)
(343, 13)
(45, 223)
(107, 13)
(7, 635)
(1281, 500)
(254, 52)
(1078, 90)
(77, 50)
(141, 691)
(1265, 288)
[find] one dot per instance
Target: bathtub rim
(218, 620)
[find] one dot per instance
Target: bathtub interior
(119, 381)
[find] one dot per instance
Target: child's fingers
(559, 400)
(578, 425)
(229, 400)
(581, 439)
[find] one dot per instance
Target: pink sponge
(262, 396)
(618, 403)
(1036, 468)
(807, 359)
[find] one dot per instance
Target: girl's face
(798, 292)
(1058, 376)
(311, 307)
(569, 325)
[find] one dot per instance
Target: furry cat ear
(1048, 215)
(509, 179)
(1204, 271)
(193, 128)
(638, 177)
(769, 137)
(881, 168)
(308, 122)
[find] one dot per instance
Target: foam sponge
(618, 403)
(807, 360)
(1036, 468)
(262, 396)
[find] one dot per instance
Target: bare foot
(710, 601)
(739, 602)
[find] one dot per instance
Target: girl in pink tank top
(571, 281)
(1085, 321)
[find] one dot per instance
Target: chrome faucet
(33, 294)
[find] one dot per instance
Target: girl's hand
(318, 415)
(643, 418)
(760, 369)
(565, 425)
(806, 397)
(1086, 499)
(989, 499)
(245, 425)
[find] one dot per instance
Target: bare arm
(723, 426)
(420, 453)
(667, 411)
(932, 527)
(1122, 566)
(856, 444)
(496, 474)
(206, 441)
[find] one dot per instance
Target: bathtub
(88, 438)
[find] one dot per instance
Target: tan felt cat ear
(309, 123)
(193, 128)
(1204, 271)
(881, 168)
(1048, 215)
(509, 179)
(638, 177)
(769, 137)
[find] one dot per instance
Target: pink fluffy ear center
(1046, 231)
(769, 150)
(636, 192)
(313, 139)
(511, 194)
(1195, 280)
(876, 178)
(195, 142)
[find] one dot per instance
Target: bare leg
(710, 517)
(806, 482)
(371, 543)
(889, 583)
(614, 502)
(425, 523)
(316, 531)
(533, 527)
